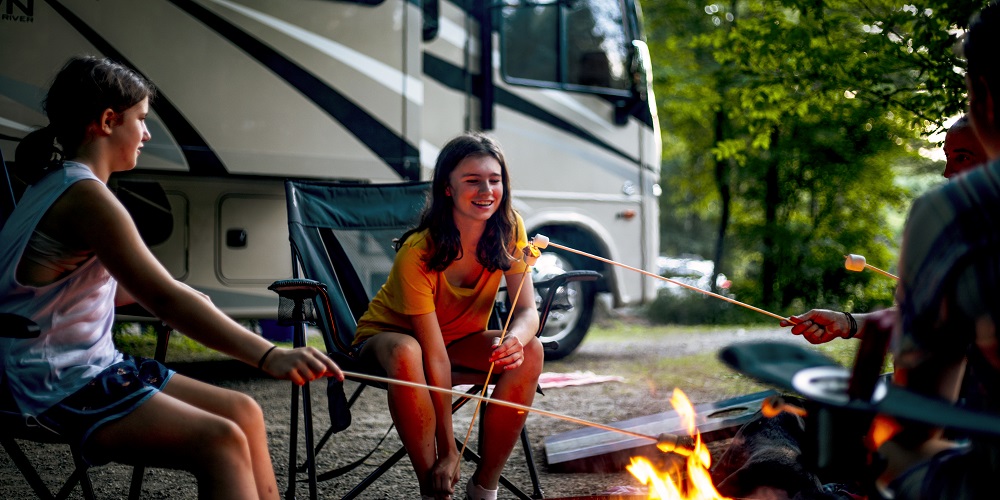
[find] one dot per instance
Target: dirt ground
(602, 403)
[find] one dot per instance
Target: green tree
(784, 124)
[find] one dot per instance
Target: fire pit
(680, 474)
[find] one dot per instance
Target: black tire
(568, 327)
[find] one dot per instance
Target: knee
(246, 412)
(222, 442)
(405, 358)
(534, 356)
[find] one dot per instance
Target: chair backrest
(342, 235)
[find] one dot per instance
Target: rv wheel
(572, 311)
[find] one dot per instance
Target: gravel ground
(603, 403)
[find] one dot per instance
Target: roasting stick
(542, 241)
(665, 442)
(530, 253)
(857, 263)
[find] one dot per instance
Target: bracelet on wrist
(853, 330)
(260, 364)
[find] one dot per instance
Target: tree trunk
(769, 266)
(722, 182)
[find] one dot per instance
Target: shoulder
(415, 249)
(418, 241)
(87, 206)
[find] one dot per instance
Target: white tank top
(75, 313)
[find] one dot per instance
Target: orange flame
(694, 483)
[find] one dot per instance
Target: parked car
(691, 270)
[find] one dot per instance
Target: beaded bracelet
(260, 364)
(854, 325)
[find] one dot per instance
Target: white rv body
(252, 92)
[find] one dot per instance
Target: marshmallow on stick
(857, 263)
(540, 241)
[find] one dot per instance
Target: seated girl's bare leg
(412, 409)
(241, 409)
(502, 424)
(169, 433)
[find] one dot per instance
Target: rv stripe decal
(453, 77)
(394, 150)
(200, 158)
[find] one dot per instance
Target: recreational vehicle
(252, 92)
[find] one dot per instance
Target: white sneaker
(475, 492)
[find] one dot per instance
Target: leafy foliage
(785, 123)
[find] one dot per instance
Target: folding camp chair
(15, 426)
(342, 250)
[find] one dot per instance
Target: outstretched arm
(93, 218)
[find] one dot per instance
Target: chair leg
(293, 441)
(529, 457)
(24, 465)
(79, 476)
(135, 488)
(375, 474)
(307, 429)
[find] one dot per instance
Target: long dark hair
(83, 89)
(492, 252)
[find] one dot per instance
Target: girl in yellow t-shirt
(433, 310)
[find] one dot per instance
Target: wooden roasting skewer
(542, 241)
(665, 442)
(857, 263)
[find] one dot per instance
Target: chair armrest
(297, 288)
(553, 285)
(15, 326)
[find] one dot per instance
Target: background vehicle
(256, 91)
(692, 270)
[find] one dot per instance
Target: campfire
(688, 482)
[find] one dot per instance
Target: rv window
(581, 45)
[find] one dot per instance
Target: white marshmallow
(540, 241)
(855, 263)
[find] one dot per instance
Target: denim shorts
(110, 396)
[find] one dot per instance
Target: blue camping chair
(342, 250)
